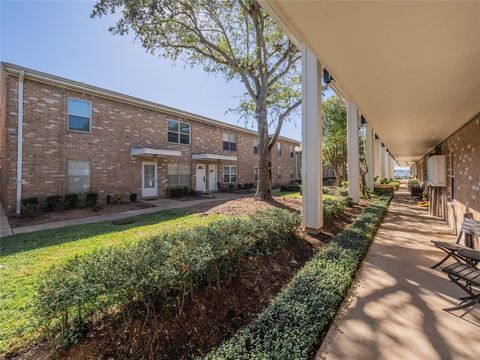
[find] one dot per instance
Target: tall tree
(335, 136)
(236, 38)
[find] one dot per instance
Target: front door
(212, 177)
(149, 179)
(200, 174)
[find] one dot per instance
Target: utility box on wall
(437, 170)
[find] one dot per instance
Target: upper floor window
(229, 142)
(291, 150)
(79, 115)
(178, 132)
(255, 146)
(279, 172)
(78, 176)
(279, 149)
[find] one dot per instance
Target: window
(78, 176)
(279, 149)
(229, 174)
(178, 132)
(291, 151)
(451, 175)
(79, 115)
(178, 175)
(229, 142)
(279, 172)
(255, 173)
(255, 146)
(291, 173)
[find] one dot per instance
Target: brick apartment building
(79, 138)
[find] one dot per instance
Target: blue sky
(58, 37)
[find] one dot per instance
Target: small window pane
(149, 176)
(233, 170)
(172, 137)
(78, 123)
(184, 128)
(172, 125)
(233, 146)
(184, 139)
(79, 107)
(233, 178)
(226, 137)
(78, 176)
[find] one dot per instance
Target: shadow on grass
(26, 242)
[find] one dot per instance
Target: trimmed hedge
(158, 269)
(292, 326)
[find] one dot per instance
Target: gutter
(20, 141)
(113, 95)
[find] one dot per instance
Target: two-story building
(59, 136)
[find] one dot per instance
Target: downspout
(20, 141)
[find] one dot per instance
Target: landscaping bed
(76, 213)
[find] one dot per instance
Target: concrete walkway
(159, 205)
(398, 309)
(5, 229)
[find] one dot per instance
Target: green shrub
(178, 191)
(91, 199)
(30, 207)
(298, 317)
(413, 183)
(133, 197)
(384, 181)
(70, 201)
(54, 202)
(30, 201)
(158, 269)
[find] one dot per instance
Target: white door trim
(212, 180)
(150, 191)
(200, 177)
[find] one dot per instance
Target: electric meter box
(437, 170)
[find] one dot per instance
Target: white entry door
(149, 179)
(201, 174)
(212, 177)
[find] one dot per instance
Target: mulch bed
(70, 214)
(211, 314)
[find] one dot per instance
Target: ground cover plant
(24, 258)
(159, 269)
(299, 316)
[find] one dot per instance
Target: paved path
(159, 205)
(5, 229)
(398, 307)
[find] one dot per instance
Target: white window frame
(179, 132)
(291, 151)
(89, 119)
(178, 175)
(230, 142)
(279, 172)
(279, 149)
(230, 174)
(89, 176)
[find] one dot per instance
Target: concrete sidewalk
(159, 205)
(398, 307)
(5, 229)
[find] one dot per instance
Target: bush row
(292, 326)
(156, 270)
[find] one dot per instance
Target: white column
(369, 156)
(393, 167)
(383, 153)
(377, 144)
(353, 160)
(312, 206)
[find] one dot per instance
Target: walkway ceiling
(413, 68)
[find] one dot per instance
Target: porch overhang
(412, 68)
(213, 157)
(154, 152)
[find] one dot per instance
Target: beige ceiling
(413, 68)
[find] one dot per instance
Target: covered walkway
(397, 310)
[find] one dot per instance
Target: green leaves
(157, 269)
(296, 320)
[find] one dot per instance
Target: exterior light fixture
(363, 121)
(327, 78)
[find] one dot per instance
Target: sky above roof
(60, 38)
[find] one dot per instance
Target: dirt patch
(211, 314)
(79, 213)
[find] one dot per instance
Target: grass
(24, 258)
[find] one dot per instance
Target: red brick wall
(116, 128)
(3, 138)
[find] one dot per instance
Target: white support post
(353, 156)
(383, 153)
(369, 156)
(312, 205)
(377, 144)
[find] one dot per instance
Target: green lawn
(25, 257)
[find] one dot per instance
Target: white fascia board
(213, 157)
(157, 152)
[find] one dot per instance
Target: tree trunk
(264, 185)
